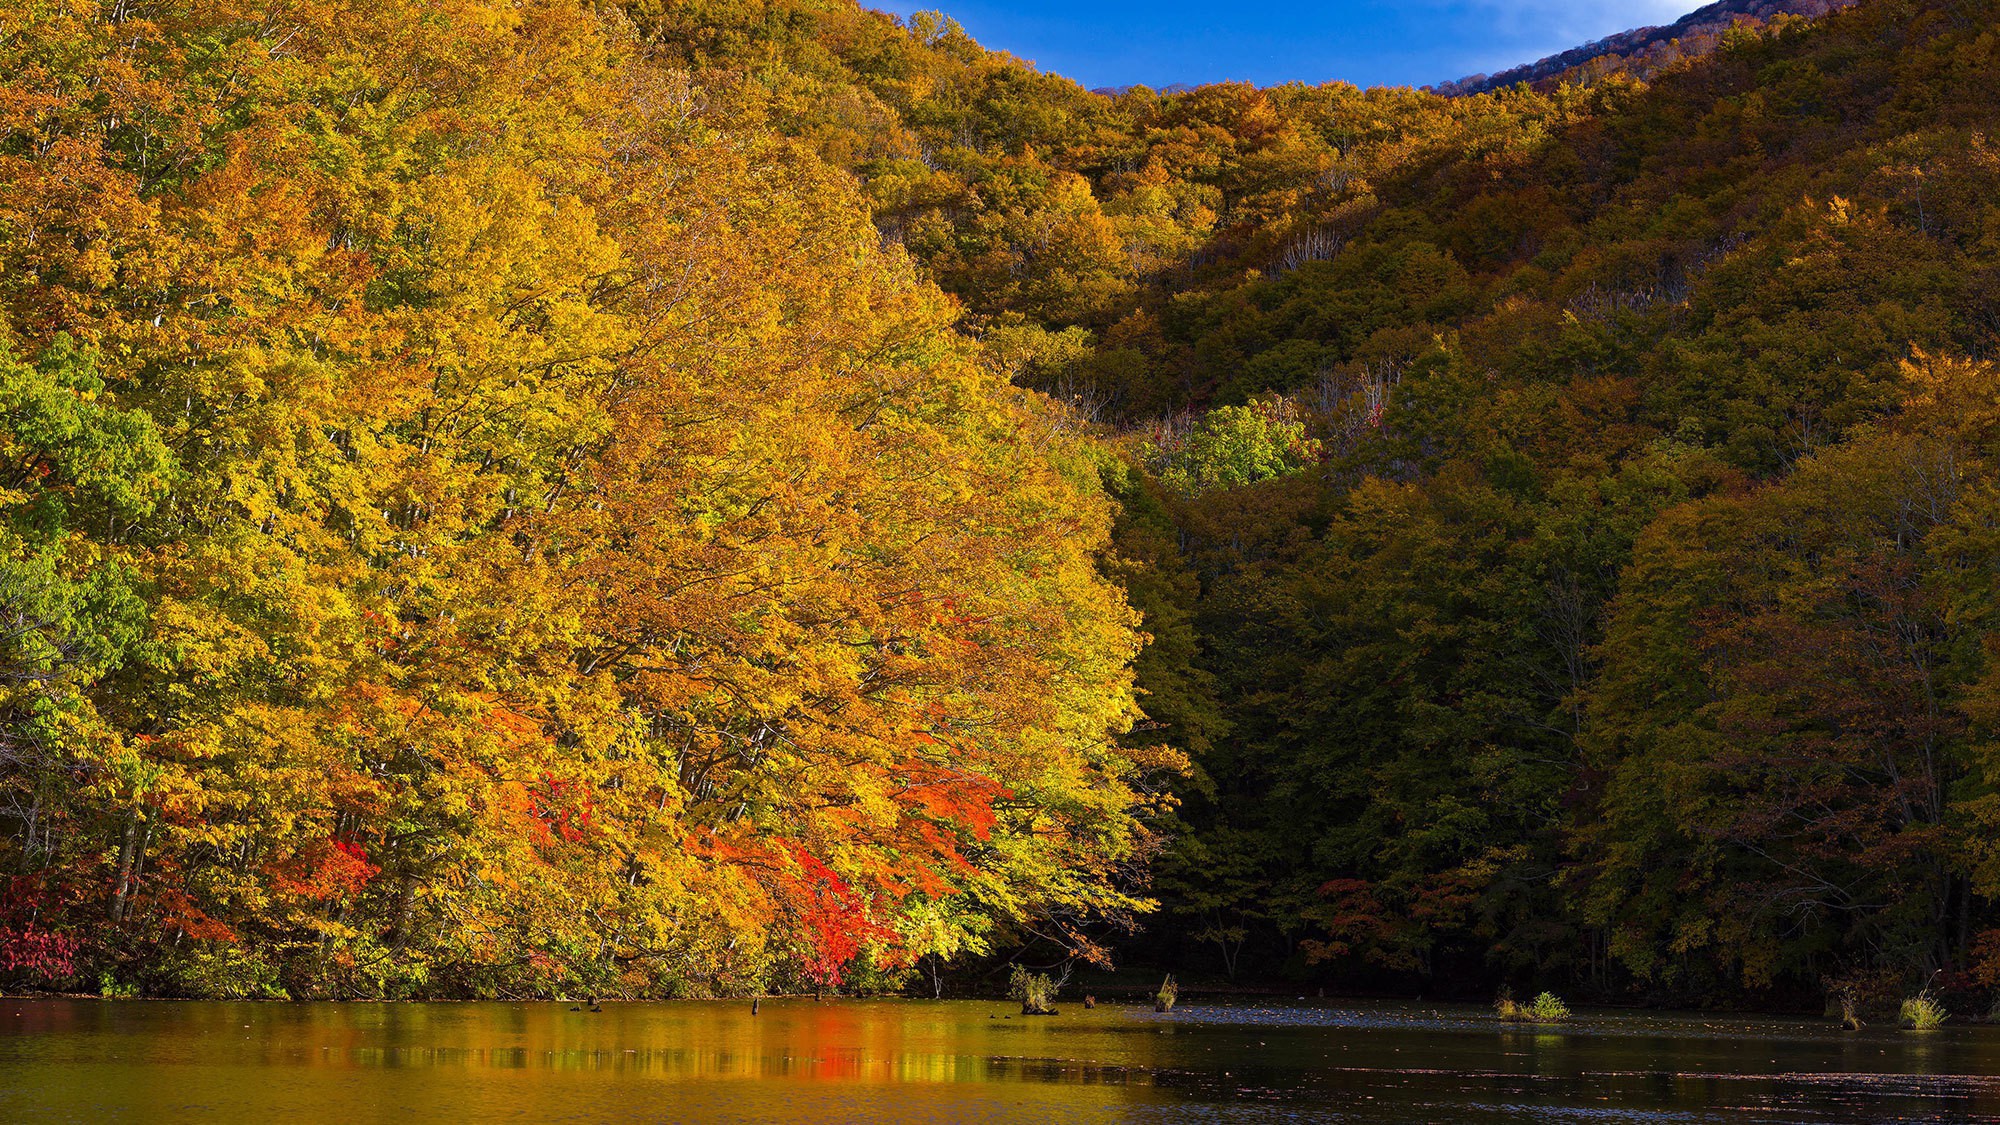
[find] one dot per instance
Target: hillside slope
(1563, 513)
(1645, 51)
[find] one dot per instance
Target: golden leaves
(590, 539)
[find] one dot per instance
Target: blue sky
(1367, 42)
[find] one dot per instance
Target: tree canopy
(691, 497)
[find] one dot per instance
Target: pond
(902, 1060)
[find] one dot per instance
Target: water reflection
(911, 1060)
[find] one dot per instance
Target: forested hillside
(697, 497)
(1558, 515)
(1630, 623)
(1646, 51)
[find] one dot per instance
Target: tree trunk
(127, 854)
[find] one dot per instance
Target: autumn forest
(652, 498)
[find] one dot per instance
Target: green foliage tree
(1231, 447)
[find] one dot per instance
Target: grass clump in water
(1035, 991)
(1163, 1000)
(1546, 1008)
(1921, 1013)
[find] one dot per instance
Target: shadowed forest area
(669, 499)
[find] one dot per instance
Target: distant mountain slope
(1645, 49)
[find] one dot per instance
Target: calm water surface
(900, 1061)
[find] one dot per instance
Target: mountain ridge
(1645, 49)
